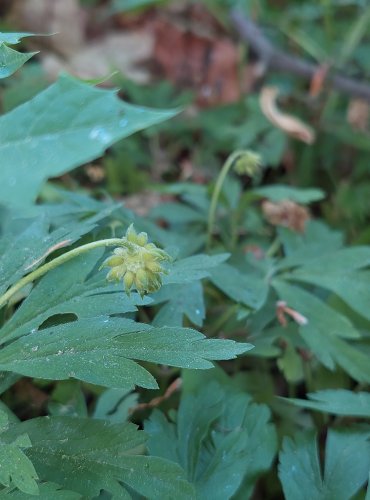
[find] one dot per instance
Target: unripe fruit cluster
(137, 263)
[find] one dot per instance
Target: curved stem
(40, 271)
(217, 191)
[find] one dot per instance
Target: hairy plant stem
(217, 191)
(40, 271)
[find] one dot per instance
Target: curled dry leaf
(286, 213)
(282, 309)
(289, 124)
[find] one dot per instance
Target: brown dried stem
(275, 59)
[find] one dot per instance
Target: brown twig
(276, 59)
(176, 384)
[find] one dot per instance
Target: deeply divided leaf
(86, 456)
(102, 350)
(346, 465)
(222, 441)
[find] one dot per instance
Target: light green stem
(217, 191)
(75, 252)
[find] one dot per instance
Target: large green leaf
(16, 469)
(87, 455)
(318, 313)
(14, 38)
(180, 300)
(281, 192)
(324, 330)
(194, 268)
(316, 241)
(101, 350)
(342, 260)
(222, 441)
(46, 492)
(11, 60)
(347, 461)
(342, 273)
(68, 124)
(249, 290)
(338, 401)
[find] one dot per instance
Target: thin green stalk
(75, 252)
(309, 381)
(328, 20)
(234, 229)
(274, 248)
(217, 191)
(355, 34)
(222, 320)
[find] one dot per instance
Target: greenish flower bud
(142, 239)
(131, 234)
(128, 280)
(137, 263)
(154, 267)
(116, 273)
(248, 163)
(115, 260)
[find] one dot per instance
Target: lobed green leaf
(337, 401)
(222, 441)
(87, 455)
(16, 469)
(347, 461)
(101, 350)
(11, 60)
(280, 192)
(64, 126)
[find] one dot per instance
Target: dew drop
(101, 135)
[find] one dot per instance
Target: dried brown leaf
(286, 213)
(192, 53)
(291, 125)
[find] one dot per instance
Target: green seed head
(248, 163)
(137, 263)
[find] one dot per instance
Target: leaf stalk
(40, 271)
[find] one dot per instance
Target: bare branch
(276, 59)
